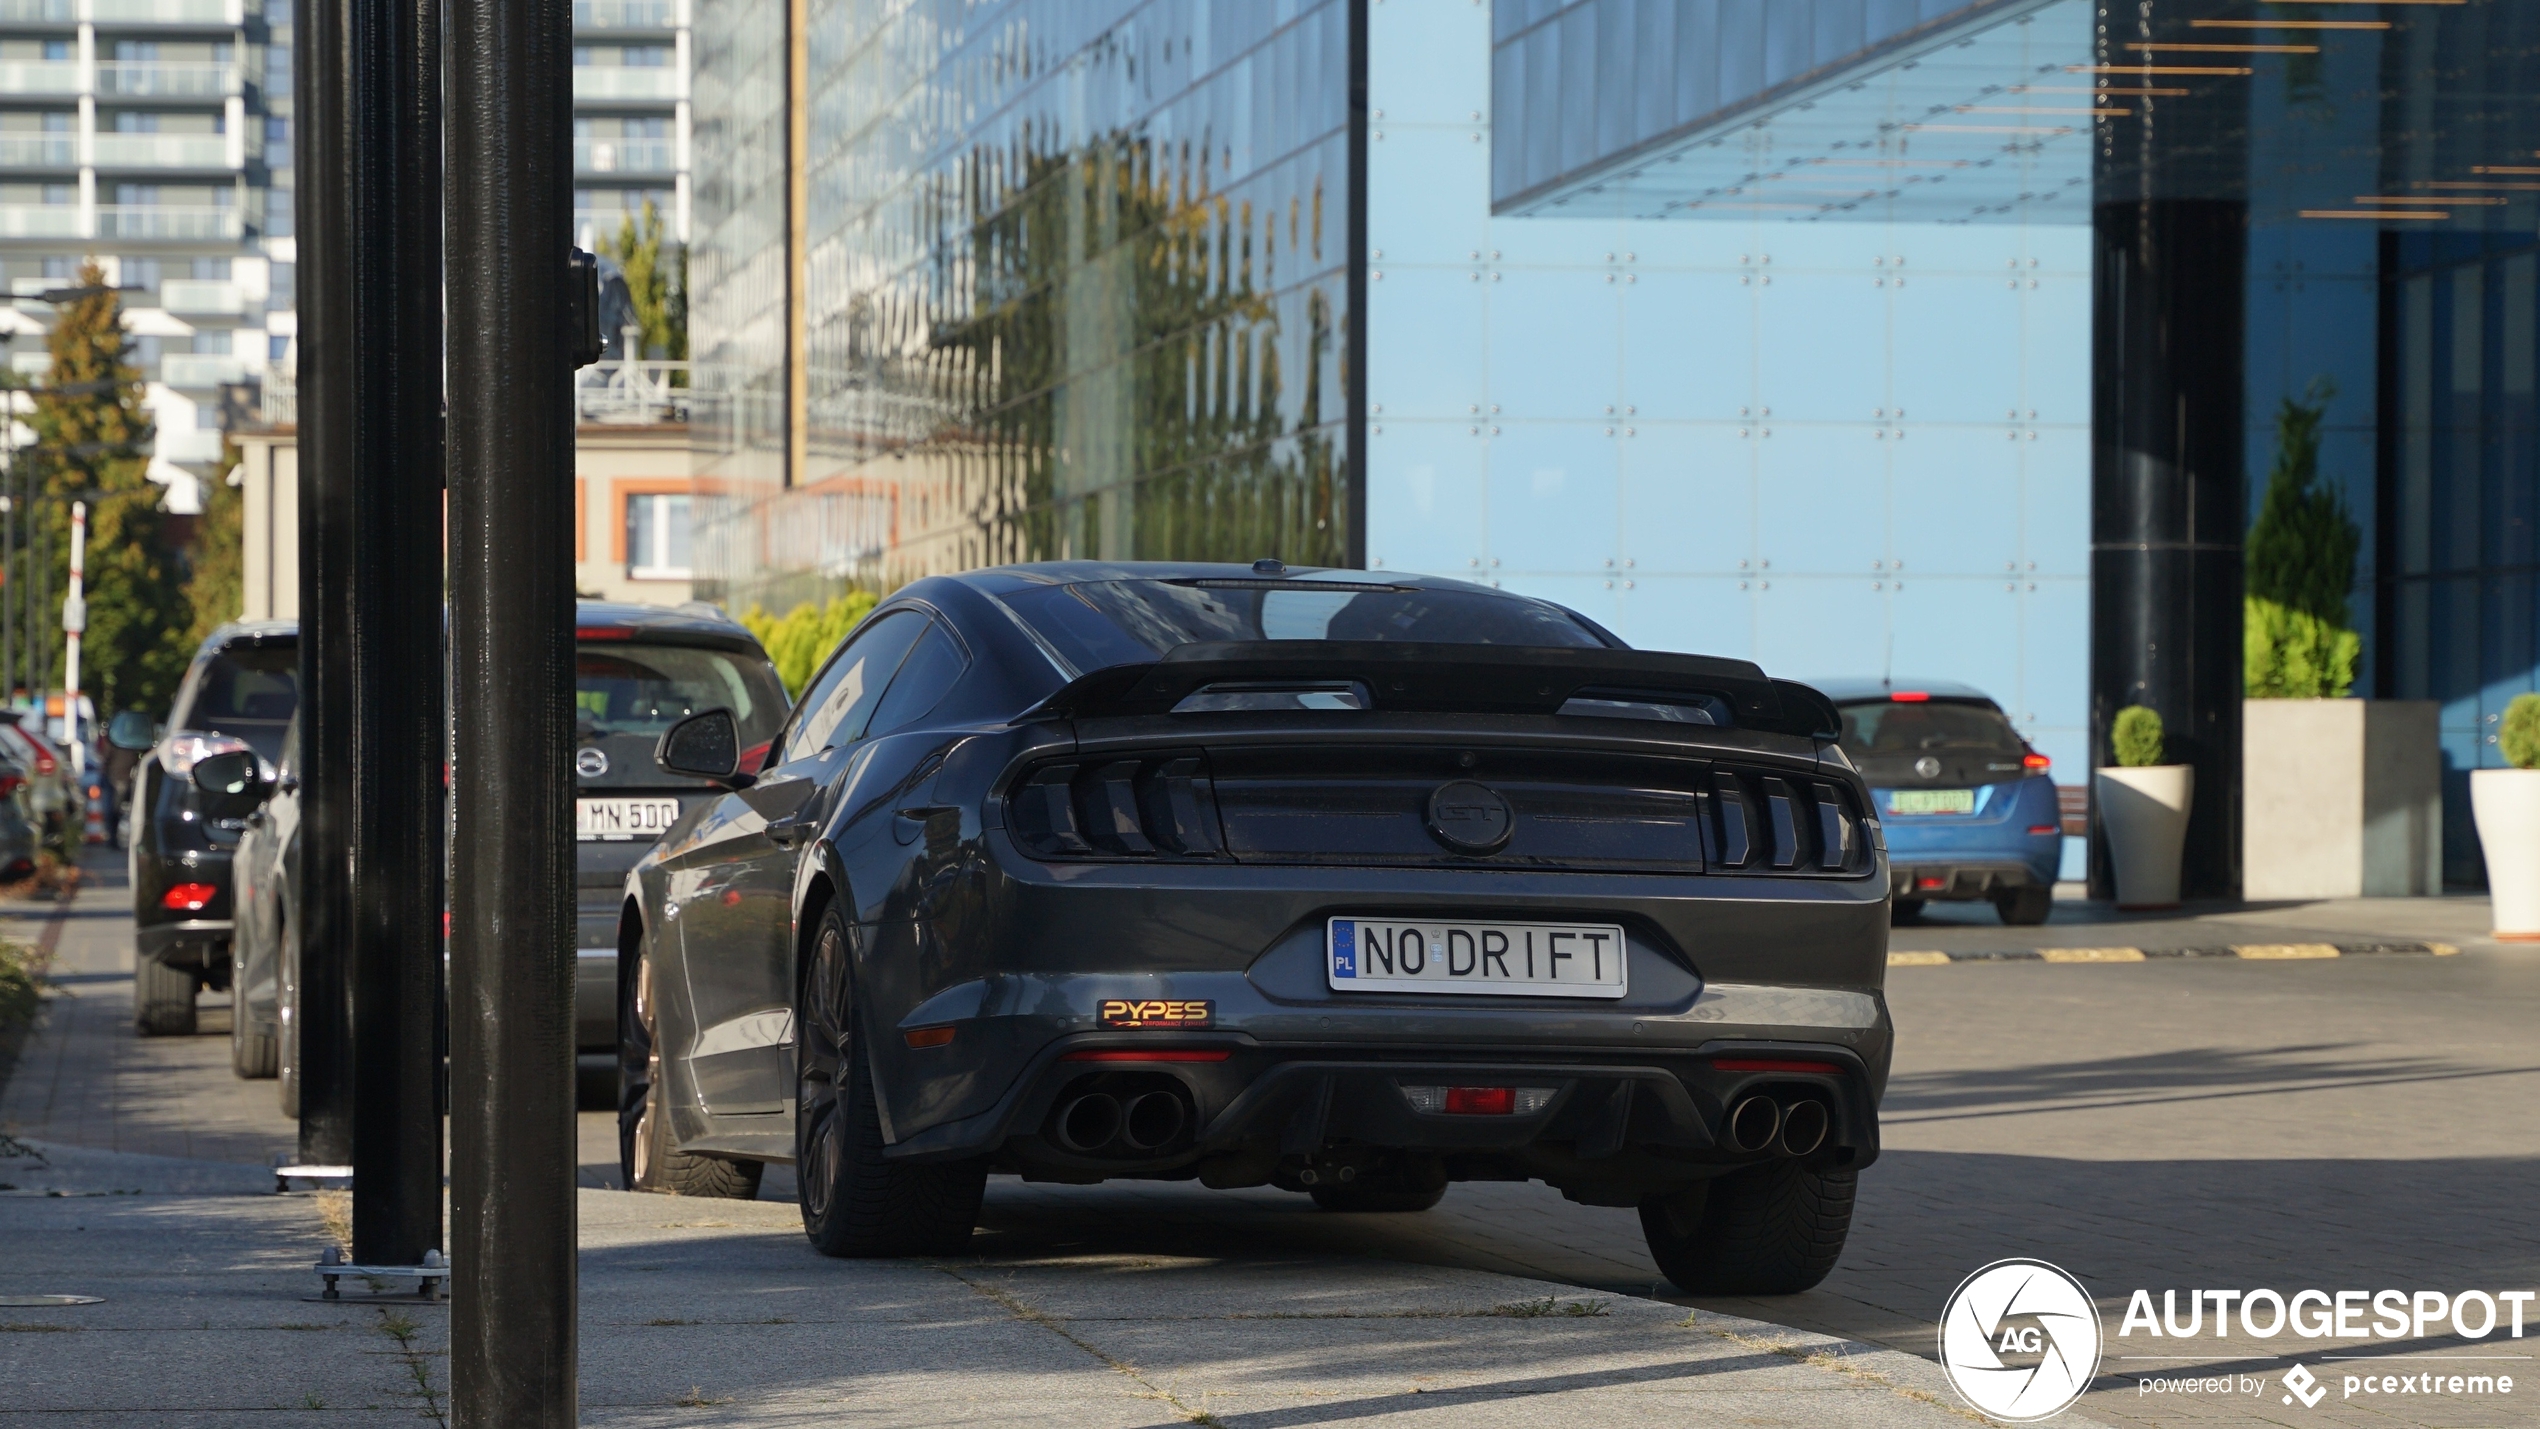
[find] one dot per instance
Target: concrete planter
(2340, 799)
(2145, 814)
(2506, 804)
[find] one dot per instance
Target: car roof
(694, 617)
(250, 632)
(995, 579)
(1859, 691)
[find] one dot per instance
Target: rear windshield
(635, 689)
(1104, 623)
(1889, 727)
(248, 692)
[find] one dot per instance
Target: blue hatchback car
(1969, 807)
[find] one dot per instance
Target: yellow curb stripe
(2442, 950)
(2284, 950)
(2091, 955)
(1917, 960)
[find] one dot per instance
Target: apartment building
(630, 115)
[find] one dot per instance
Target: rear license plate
(1932, 801)
(623, 818)
(1505, 959)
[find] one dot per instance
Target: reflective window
(1102, 623)
(834, 710)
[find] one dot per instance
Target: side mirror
(233, 784)
(707, 746)
(132, 731)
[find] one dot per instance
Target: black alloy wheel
(854, 1202)
(647, 1158)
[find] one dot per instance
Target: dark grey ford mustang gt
(1349, 883)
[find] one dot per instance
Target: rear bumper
(595, 1000)
(199, 943)
(1944, 879)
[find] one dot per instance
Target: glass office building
(1934, 339)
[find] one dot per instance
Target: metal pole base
(431, 1278)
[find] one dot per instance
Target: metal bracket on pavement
(310, 1178)
(429, 1279)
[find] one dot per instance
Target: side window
(834, 710)
(924, 678)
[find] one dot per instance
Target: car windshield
(248, 692)
(1102, 623)
(645, 689)
(1891, 727)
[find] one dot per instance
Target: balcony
(21, 78)
(202, 298)
(625, 82)
(155, 221)
(188, 444)
(162, 151)
(227, 14)
(37, 12)
(201, 369)
(51, 220)
(279, 398)
(624, 15)
(150, 79)
(631, 392)
(38, 151)
(623, 156)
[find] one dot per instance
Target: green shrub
(803, 637)
(2301, 563)
(2520, 737)
(2137, 737)
(18, 994)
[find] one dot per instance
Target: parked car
(1970, 809)
(42, 763)
(18, 833)
(238, 694)
(264, 956)
(638, 670)
(1355, 885)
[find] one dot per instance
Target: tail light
(1769, 824)
(2036, 763)
(1911, 697)
(188, 897)
(10, 784)
(1134, 808)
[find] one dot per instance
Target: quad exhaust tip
(1803, 1129)
(1151, 1121)
(1752, 1124)
(1088, 1123)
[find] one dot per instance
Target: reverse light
(1910, 697)
(188, 897)
(1478, 1101)
(180, 753)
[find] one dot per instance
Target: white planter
(2340, 799)
(2506, 803)
(2145, 813)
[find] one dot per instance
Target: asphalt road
(2357, 1123)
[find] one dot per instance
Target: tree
(803, 637)
(216, 590)
(93, 446)
(2297, 643)
(657, 282)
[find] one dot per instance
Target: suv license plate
(623, 818)
(1503, 959)
(1932, 801)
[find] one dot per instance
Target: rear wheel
(163, 999)
(854, 1202)
(2025, 907)
(1773, 1229)
(647, 1158)
(252, 1050)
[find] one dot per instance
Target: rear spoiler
(1413, 677)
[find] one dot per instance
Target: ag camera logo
(2020, 1340)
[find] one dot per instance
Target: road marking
(1917, 960)
(2285, 951)
(2091, 955)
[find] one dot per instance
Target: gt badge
(1159, 1012)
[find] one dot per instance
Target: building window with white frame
(657, 537)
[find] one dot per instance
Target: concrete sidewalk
(718, 1313)
(2457, 920)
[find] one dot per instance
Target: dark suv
(239, 694)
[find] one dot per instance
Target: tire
(1773, 1229)
(1905, 910)
(854, 1202)
(253, 1053)
(2025, 907)
(647, 1158)
(162, 999)
(1367, 1200)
